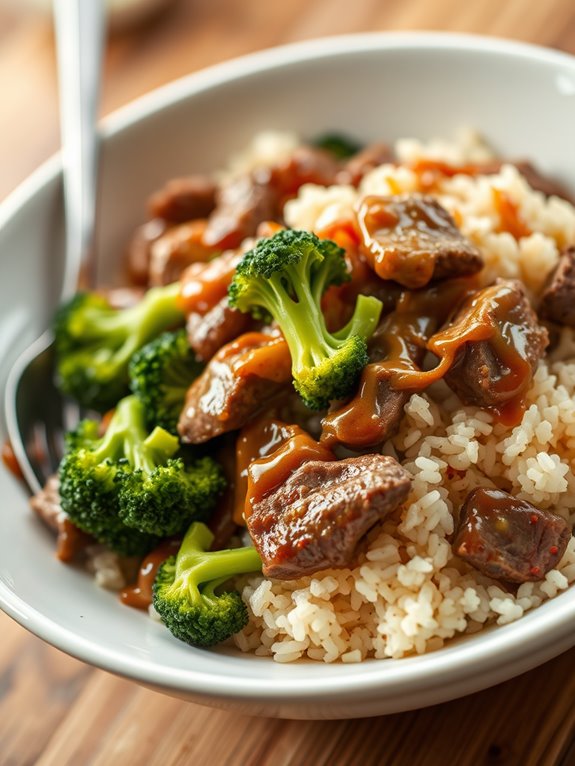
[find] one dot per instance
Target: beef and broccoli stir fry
(279, 400)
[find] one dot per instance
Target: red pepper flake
(554, 550)
(534, 518)
(535, 570)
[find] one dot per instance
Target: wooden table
(56, 711)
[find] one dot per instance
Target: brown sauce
(139, 596)
(255, 441)
(267, 356)
(203, 285)
(71, 541)
(267, 473)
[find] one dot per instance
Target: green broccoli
(94, 342)
(160, 374)
(126, 488)
(340, 146)
(285, 276)
(185, 589)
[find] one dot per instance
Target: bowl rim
(458, 660)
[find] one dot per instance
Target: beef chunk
(242, 204)
(139, 250)
(71, 541)
(47, 503)
(307, 165)
(315, 519)
(365, 160)
(558, 299)
(184, 199)
(209, 332)
(372, 416)
(175, 250)
(509, 539)
(496, 370)
(240, 381)
(411, 239)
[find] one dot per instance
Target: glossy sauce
(139, 596)
(256, 440)
(398, 345)
(71, 541)
(270, 471)
(203, 285)
(266, 356)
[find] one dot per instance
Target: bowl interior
(373, 87)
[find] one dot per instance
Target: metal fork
(37, 415)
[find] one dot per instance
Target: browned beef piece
(175, 250)
(71, 541)
(411, 239)
(372, 416)
(365, 160)
(47, 503)
(209, 332)
(492, 372)
(315, 519)
(221, 399)
(139, 249)
(307, 165)
(241, 205)
(558, 299)
(509, 539)
(184, 199)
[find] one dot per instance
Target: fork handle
(80, 31)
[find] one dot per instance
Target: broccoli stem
(196, 565)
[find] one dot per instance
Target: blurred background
(55, 710)
(154, 41)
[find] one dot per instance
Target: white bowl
(521, 98)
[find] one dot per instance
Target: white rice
(407, 594)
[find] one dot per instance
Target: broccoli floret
(160, 374)
(285, 276)
(94, 342)
(340, 146)
(185, 589)
(126, 488)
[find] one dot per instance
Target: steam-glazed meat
(558, 299)
(46, 503)
(315, 519)
(71, 540)
(241, 380)
(241, 205)
(139, 249)
(209, 332)
(307, 165)
(365, 160)
(372, 416)
(502, 344)
(175, 250)
(509, 539)
(184, 199)
(411, 239)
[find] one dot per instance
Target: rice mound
(408, 594)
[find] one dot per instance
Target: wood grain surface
(56, 711)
